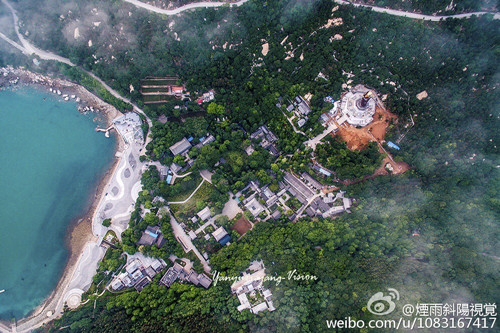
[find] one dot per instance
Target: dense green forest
(431, 233)
(348, 164)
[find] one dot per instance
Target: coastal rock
(422, 95)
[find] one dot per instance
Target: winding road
(81, 275)
(190, 196)
(29, 49)
(396, 12)
(92, 253)
(11, 42)
(203, 4)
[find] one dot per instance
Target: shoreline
(67, 90)
(79, 231)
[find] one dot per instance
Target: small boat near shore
(1, 291)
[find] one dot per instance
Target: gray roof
(276, 215)
(310, 212)
(142, 283)
(266, 193)
(204, 214)
(318, 203)
(302, 105)
(298, 185)
(302, 199)
(175, 167)
(149, 236)
(149, 271)
(265, 133)
(209, 139)
(170, 276)
(313, 182)
(254, 207)
(275, 152)
(219, 233)
(304, 108)
(347, 203)
(160, 241)
(193, 278)
(180, 147)
(204, 280)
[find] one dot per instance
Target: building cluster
(182, 148)
(137, 274)
(296, 195)
(152, 235)
(198, 225)
(261, 202)
(266, 139)
(206, 97)
(178, 272)
(157, 90)
(308, 191)
(250, 289)
(301, 109)
(129, 127)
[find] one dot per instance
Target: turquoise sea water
(51, 161)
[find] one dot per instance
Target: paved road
(120, 193)
(207, 175)
(294, 128)
(30, 49)
(206, 224)
(415, 15)
(395, 12)
(203, 4)
(186, 240)
(175, 176)
(11, 42)
(231, 208)
(317, 139)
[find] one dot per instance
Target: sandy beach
(79, 231)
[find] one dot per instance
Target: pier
(106, 131)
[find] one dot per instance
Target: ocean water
(51, 162)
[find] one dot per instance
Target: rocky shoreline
(68, 91)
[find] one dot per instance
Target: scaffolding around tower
(357, 106)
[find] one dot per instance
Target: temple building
(358, 106)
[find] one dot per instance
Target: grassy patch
(187, 210)
(183, 187)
